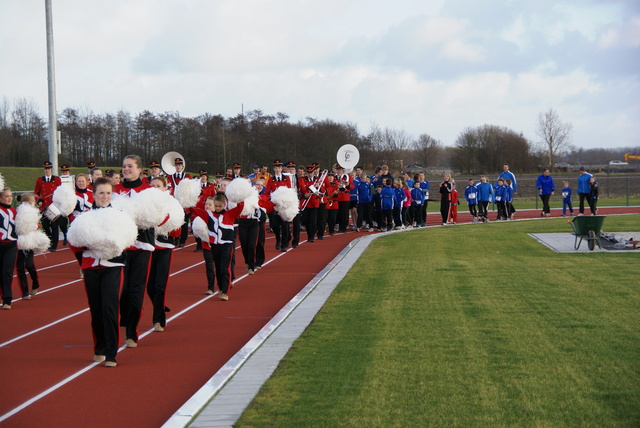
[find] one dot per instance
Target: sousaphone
(168, 162)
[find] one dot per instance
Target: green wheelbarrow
(588, 227)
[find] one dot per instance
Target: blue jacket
(500, 193)
(417, 197)
(583, 183)
(545, 183)
(387, 197)
(485, 192)
(566, 194)
(424, 185)
(510, 176)
(399, 197)
(471, 195)
(508, 193)
(364, 192)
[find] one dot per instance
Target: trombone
(315, 188)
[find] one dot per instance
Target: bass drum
(52, 213)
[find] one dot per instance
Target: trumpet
(314, 188)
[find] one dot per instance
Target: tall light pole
(51, 79)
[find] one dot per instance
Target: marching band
(139, 258)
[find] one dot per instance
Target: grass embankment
(473, 325)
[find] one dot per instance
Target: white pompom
(187, 192)
(200, 229)
(176, 216)
(64, 198)
(150, 207)
(239, 190)
(35, 240)
(105, 231)
(1, 182)
(286, 202)
(27, 219)
(251, 204)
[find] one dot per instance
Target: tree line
(213, 142)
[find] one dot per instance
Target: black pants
(222, 261)
(364, 214)
(343, 216)
(416, 214)
(209, 269)
(473, 209)
(280, 230)
(445, 205)
(260, 244)
(387, 220)
(593, 205)
(52, 230)
(321, 220)
(136, 271)
(332, 216)
(424, 213)
(583, 197)
(295, 230)
(482, 209)
(310, 221)
(248, 231)
(102, 287)
(157, 282)
(63, 223)
(8, 252)
(25, 264)
(184, 233)
(546, 208)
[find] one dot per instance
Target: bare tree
(555, 134)
(427, 150)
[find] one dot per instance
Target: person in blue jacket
(567, 200)
(400, 196)
(546, 188)
(471, 195)
(365, 197)
(583, 188)
(506, 174)
(485, 195)
(387, 200)
(424, 185)
(417, 201)
(500, 196)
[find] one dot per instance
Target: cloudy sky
(422, 66)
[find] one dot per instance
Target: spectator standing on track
(511, 211)
(137, 257)
(471, 196)
(567, 200)
(500, 196)
(364, 203)
(25, 262)
(399, 197)
(424, 185)
(485, 195)
(445, 198)
(353, 202)
(510, 180)
(8, 245)
(584, 189)
(376, 202)
(455, 201)
(45, 186)
(406, 205)
(546, 188)
(417, 201)
(387, 200)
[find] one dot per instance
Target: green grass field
(472, 325)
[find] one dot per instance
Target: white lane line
(90, 366)
(2, 345)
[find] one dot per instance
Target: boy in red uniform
(45, 186)
(453, 211)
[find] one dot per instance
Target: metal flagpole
(51, 79)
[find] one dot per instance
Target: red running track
(46, 345)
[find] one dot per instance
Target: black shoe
(277, 245)
(52, 249)
(283, 249)
(310, 240)
(296, 245)
(320, 238)
(65, 242)
(197, 250)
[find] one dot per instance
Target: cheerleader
(160, 267)
(102, 279)
(8, 245)
(25, 262)
(137, 257)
